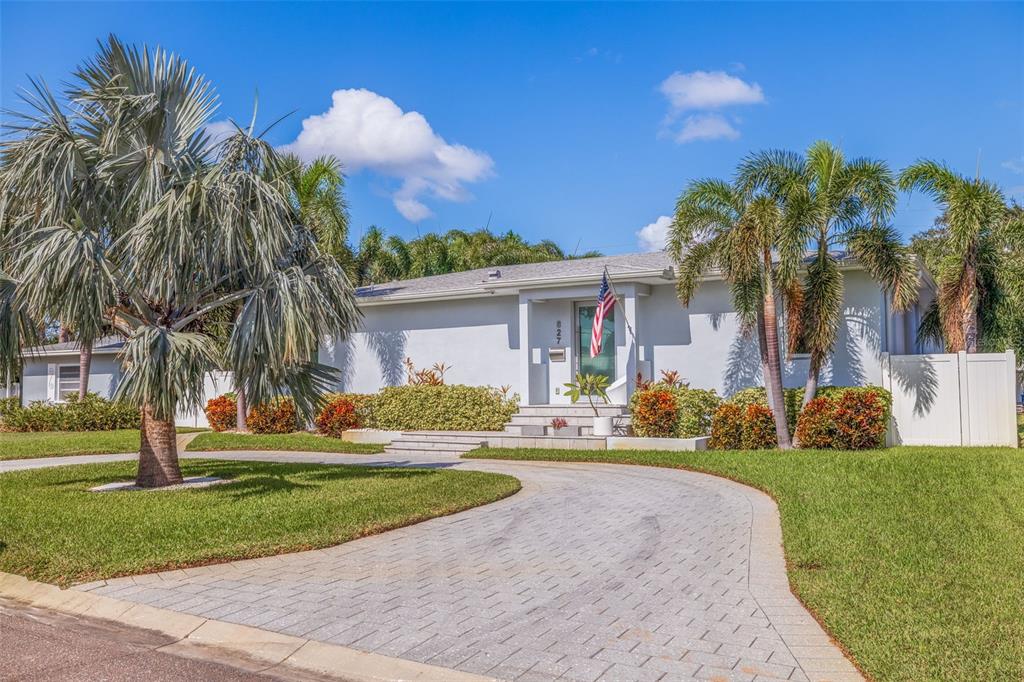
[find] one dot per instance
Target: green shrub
(845, 418)
(759, 428)
(91, 414)
(695, 408)
(8, 405)
(727, 427)
(443, 408)
(276, 416)
(793, 397)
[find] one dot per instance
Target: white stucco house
(528, 327)
(50, 373)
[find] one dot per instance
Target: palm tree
(316, 190)
(175, 233)
(976, 269)
(834, 205)
(719, 225)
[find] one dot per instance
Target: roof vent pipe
(493, 275)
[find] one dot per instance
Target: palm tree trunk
(84, 367)
(763, 348)
(241, 409)
(158, 456)
(773, 372)
(811, 385)
(970, 312)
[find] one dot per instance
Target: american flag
(605, 302)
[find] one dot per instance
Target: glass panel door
(604, 363)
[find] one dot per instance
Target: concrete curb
(259, 650)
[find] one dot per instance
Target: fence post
(1011, 361)
(964, 397)
(887, 385)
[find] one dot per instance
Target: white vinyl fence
(215, 384)
(952, 398)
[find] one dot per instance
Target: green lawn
(53, 529)
(912, 557)
(289, 441)
(57, 443)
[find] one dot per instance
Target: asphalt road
(38, 645)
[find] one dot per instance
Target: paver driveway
(591, 572)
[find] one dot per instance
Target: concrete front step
(412, 452)
(433, 445)
(619, 429)
(571, 420)
(577, 410)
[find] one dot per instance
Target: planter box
(370, 436)
(564, 432)
(637, 443)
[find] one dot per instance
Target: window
(68, 381)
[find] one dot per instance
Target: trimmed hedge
(695, 408)
(839, 418)
(727, 427)
(337, 417)
(91, 414)
(276, 416)
(442, 408)
(222, 412)
(362, 402)
(854, 418)
(655, 413)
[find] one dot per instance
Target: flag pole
(629, 327)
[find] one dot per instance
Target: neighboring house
(51, 372)
(529, 327)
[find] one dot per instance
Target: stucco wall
(704, 344)
(478, 338)
(102, 378)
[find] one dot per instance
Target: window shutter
(51, 382)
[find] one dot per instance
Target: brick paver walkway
(591, 572)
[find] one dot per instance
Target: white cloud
(365, 130)
(1014, 165)
(709, 90)
(705, 127)
(654, 236)
(704, 93)
(220, 130)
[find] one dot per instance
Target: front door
(604, 363)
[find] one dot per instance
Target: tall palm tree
(975, 267)
(316, 190)
(835, 205)
(180, 233)
(720, 225)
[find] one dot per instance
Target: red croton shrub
(860, 419)
(338, 416)
(845, 419)
(758, 428)
(655, 414)
(727, 428)
(220, 412)
(816, 427)
(277, 416)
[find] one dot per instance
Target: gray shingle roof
(459, 281)
(107, 344)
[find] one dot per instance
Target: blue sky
(566, 121)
